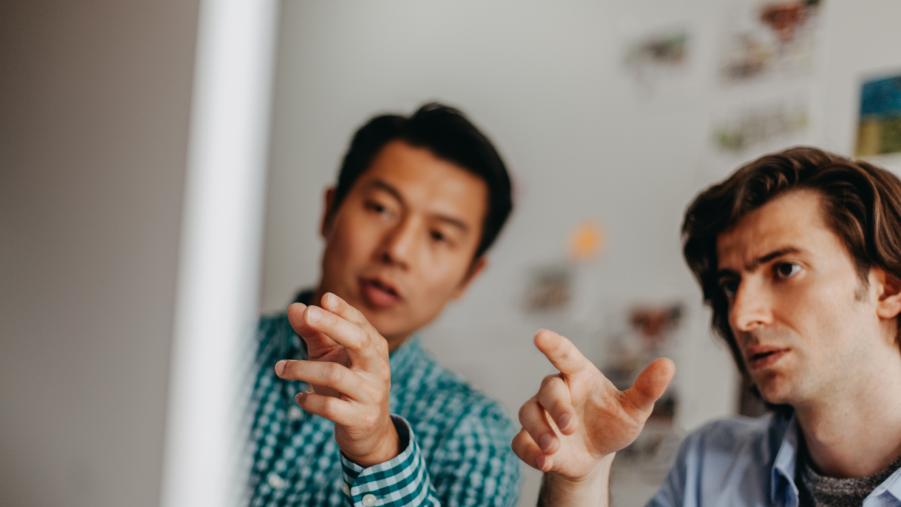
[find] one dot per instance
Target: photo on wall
(879, 120)
(764, 37)
(655, 60)
(758, 125)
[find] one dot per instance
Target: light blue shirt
(747, 462)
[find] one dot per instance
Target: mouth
(379, 293)
(759, 357)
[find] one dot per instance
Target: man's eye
(729, 287)
(375, 207)
(438, 236)
(786, 270)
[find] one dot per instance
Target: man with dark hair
(799, 255)
(347, 407)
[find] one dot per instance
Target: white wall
(94, 98)
(544, 80)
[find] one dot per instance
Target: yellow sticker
(586, 241)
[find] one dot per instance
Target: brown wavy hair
(861, 205)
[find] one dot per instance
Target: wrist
(385, 448)
(600, 469)
(587, 489)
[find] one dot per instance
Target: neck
(856, 432)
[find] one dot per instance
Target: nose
(399, 243)
(750, 308)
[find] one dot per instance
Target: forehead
(794, 219)
(427, 182)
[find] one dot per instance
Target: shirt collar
(892, 486)
(782, 473)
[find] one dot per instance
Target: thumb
(651, 383)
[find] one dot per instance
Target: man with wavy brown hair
(799, 256)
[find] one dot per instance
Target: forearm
(592, 490)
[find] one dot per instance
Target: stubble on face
(801, 311)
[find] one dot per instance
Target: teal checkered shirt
(455, 441)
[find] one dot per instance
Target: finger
(528, 451)
(534, 421)
(334, 409)
(561, 352)
(554, 398)
(322, 374)
(312, 337)
(333, 303)
(651, 384)
(351, 336)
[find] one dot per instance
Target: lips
(762, 356)
(379, 292)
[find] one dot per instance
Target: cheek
(351, 239)
(440, 283)
(822, 314)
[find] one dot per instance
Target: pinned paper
(879, 125)
(586, 241)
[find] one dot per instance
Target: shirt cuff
(402, 480)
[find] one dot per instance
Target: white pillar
(216, 300)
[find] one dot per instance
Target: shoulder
(734, 435)
(732, 430)
(726, 458)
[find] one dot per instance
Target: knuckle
(547, 381)
(327, 406)
(369, 419)
(549, 401)
(333, 373)
(528, 412)
(361, 337)
(524, 412)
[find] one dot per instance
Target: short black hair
(449, 135)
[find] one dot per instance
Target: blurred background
(611, 115)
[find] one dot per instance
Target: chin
(775, 393)
(385, 325)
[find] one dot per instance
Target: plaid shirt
(455, 441)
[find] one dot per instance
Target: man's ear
(478, 265)
(327, 217)
(888, 305)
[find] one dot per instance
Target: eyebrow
(380, 184)
(383, 185)
(763, 259)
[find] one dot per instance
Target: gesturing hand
(578, 417)
(350, 375)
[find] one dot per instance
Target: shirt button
(369, 500)
(294, 413)
(275, 481)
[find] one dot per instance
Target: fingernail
(313, 314)
(329, 300)
(564, 421)
(299, 397)
(545, 442)
(280, 367)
